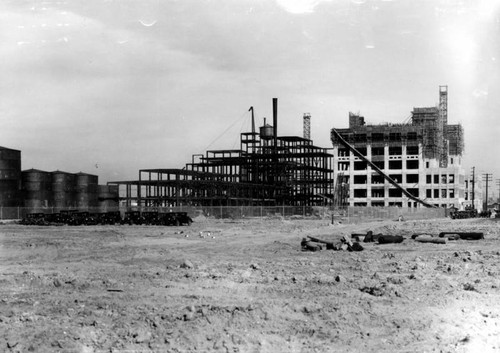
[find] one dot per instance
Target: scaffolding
(423, 128)
(341, 191)
(379, 135)
(434, 146)
(455, 134)
(443, 124)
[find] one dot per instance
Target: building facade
(474, 194)
(424, 157)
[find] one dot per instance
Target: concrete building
(473, 199)
(423, 156)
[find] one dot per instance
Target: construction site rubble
(353, 243)
(315, 244)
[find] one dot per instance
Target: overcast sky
(112, 86)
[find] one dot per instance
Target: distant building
(423, 156)
(10, 177)
(473, 195)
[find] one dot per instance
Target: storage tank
(36, 186)
(10, 177)
(86, 190)
(108, 198)
(63, 189)
(266, 131)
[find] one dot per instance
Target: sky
(109, 87)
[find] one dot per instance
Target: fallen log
(431, 240)
(355, 247)
(310, 245)
(465, 235)
(390, 239)
(329, 245)
(370, 237)
(357, 236)
(420, 234)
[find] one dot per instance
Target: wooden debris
(464, 235)
(389, 239)
(329, 244)
(431, 240)
(308, 245)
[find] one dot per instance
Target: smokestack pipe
(275, 122)
(253, 121)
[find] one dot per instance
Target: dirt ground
(246, 286)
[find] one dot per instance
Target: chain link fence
(345, 215)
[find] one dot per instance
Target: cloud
(300, 6)
(71, 94)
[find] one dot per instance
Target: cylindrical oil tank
(266, 132)
(86, 191)
(108, 198)
(63, 189)
(10, 177)
(37, 189)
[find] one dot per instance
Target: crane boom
(378, 170)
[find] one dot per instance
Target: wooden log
(420, 234)
(329, 244)
(358, 237)
(390, 239)
(431, 240)
(310, 245)
(465, 235)
(355, 247)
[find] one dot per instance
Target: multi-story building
(423, 156)
(473, 199)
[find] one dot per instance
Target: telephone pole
(498, 185)
(486, 177)
(472, 189)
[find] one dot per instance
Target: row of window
(440, 179)
(380, 136)
(429, 193)
(380, 151)
(410, 178)
(379, 179)
(395, 165)
(396, 204)
(362, 193)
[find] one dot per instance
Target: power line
(224, 132)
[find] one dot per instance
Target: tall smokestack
(275, 121)
(253, 121)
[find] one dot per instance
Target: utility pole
(472, 189)
(487, 178)
(498, 185)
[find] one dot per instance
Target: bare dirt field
(248, 287)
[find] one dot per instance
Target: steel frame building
(266, 170)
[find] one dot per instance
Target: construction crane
(377, 169)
